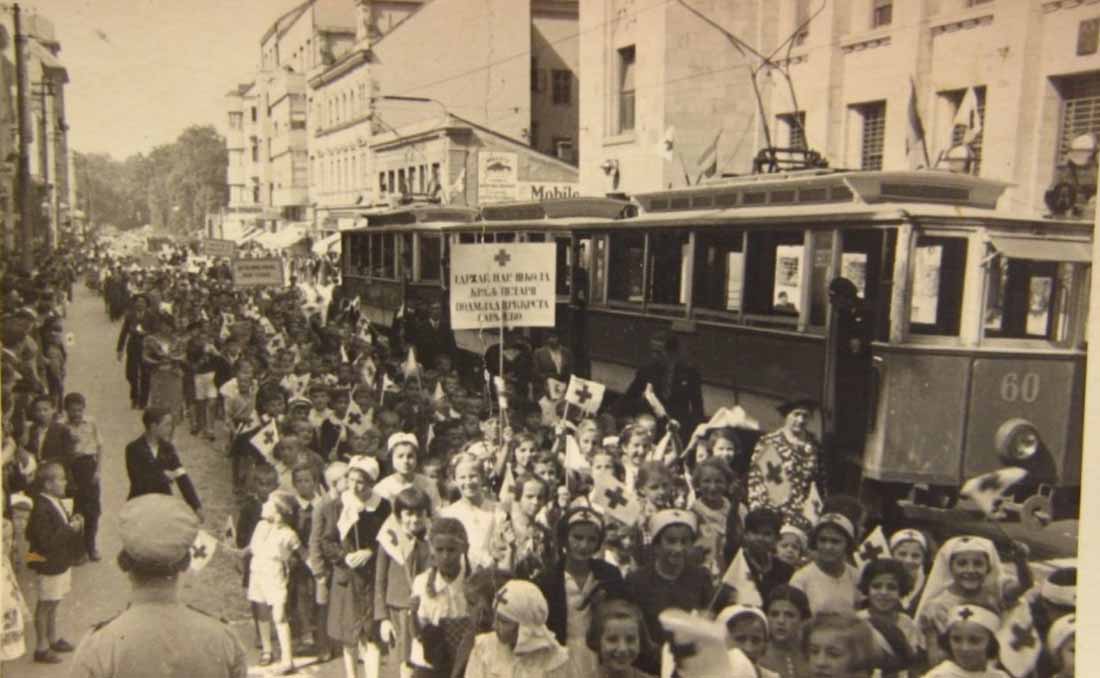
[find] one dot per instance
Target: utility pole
(26, 191)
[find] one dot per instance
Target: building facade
(668, 98)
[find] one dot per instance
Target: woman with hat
(163, 360)
(577, 582)
(520, 645)
(348, 545)
(786, 465)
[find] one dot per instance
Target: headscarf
(940, 578)
(522, 602)
(900, 537)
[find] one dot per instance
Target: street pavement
(100, 590)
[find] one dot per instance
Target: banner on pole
(507, 284)
(213, 247)
(258, 273)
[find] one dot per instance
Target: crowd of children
(399, 510)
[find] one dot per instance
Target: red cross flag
(356, 420)
(555, 389)
(585, 394)
(988, 490)
(202, 550)
(873, 547)
(616, 499)
(1020, 644)
(264, 440)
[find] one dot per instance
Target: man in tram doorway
(675, 383)
(850, 346)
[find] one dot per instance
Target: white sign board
(258, 273)
(511, 284)
(497, 177)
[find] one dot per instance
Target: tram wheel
(1036, 512)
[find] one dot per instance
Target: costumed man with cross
(157, 635)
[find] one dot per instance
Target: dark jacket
(393, 580)
(552, 585)
(153, 472)
(52, 538)
(683, 400)
(432, 341)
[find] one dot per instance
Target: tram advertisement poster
(213, 247)
(258, 273)
(511, 284)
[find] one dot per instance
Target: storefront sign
(497, 177)
(258, 273)
(219, 248)
(547, 190)
(504, 284)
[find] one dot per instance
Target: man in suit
(433, 337)
(552, 361)
(676, 385)
(45, 437)
(54, 538)
(131, 342)
(152, 463)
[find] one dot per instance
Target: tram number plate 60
(1015, 387)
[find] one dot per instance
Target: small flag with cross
(555, 389)
(873, 547)
(585, 394)
(264, 440)
(356, 420)
(615, 499)
(988, 490)
(202, 550)
(739, 577)
(1019, 641)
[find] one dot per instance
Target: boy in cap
(158, 635)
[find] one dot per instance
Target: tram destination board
(258, 273)
(503, 284)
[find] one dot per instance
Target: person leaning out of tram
(787, 464)
(666, 387)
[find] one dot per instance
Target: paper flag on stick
(1019, 642)
(988, 490)
(616, 499)
(585, 394)
(873, 547)
(264, 440)
(202, 551)
(654, 402)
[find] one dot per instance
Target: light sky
(164, 65)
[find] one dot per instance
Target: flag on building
(708, 160)
(916, 148)
(988, 490)
(202, 550)
(456, 194)
(968, 117)
(265, 439)
(584, 393)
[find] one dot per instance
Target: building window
(626, 89)
(795, 126)
(1080, 110)
(563, 149)
(534, 140)
(873, 133)
(562, 87)
(235, 120)
(255, 114)
(882, 13)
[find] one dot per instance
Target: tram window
(535, 237)
(773, 272)
(431, 253)
(626, 264)
(503, 237)
(1025, 299)
(719, 267)
(819, 277)
(467, 238)
(376, 255)
(669, 255)
(939, 266)
(564, 259)
(388, 257)
(406, 256)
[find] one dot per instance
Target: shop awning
(280, 239)
(1042, 249)
(330, 243)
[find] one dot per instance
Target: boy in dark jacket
(55, 538)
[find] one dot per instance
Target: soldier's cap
(157, 529)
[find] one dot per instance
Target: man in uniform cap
(157, 635)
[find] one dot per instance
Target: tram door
(857, 295)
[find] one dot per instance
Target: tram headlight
(1017, 440)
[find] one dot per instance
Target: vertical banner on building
(503, 285)
(497, 177)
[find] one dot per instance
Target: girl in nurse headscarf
(520, 645)
(969, 640)
(967, 571)
(910, 547)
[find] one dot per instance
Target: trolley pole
(25, 194)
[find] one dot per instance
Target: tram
(963, 351)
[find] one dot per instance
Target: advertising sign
(258, 273)
(547, 190)
(213, 247)
(497, 177)
(504, 284)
